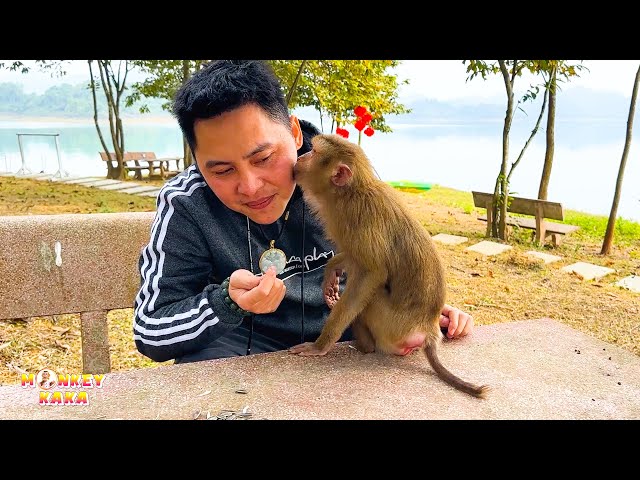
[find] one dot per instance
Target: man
(209, 287)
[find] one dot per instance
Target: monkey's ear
(342, 175)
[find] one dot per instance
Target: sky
(442, 80)
(445, 80)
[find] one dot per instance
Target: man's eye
(223, 172)
(264, 159)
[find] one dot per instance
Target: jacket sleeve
(177, 311)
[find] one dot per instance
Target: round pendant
(275, 257)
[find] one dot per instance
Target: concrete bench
(537, 369)
(541, 210)
(73, 263)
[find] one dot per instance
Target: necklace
(273, 256)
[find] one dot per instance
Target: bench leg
(541, 233)
(557, 239)
(489, 208)
(540, 226)
(95, 342)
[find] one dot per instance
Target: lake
(461, 155)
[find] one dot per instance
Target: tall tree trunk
(531, 135)
(113, 88)
(551, 120)
(608, 236)
(113, 172)
(501, 190)
(295, 82)
(187, 158)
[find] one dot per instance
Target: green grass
(451, 197)
(593, 227)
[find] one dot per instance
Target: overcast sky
(443, 80)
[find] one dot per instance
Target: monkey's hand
(309, 349)
(331, 287)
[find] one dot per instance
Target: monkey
(396, 286)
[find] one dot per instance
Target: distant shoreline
(138, 119)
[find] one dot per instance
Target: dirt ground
(508, 287)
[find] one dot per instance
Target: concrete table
(538, 369)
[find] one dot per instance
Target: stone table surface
(537, 369)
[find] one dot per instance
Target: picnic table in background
(136, 162)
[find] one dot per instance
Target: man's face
(247, 159)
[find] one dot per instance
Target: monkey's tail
(430, 351)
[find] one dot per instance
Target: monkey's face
(328, 165)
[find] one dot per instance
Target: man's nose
(249, 184)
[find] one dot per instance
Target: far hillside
(65, 100)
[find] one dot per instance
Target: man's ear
(342, 175)
(296, 131)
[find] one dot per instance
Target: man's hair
(224, 85)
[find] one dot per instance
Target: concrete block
(449, 239)
(545, 257)
(588, 271)
(489, 248)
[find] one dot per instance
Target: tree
(556, 67)
(164, 79)
(608, 236)
(335, 87)
(510, 71)
(113, 84)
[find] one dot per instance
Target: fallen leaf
(16, 368)
(62, 330)
(62, 345)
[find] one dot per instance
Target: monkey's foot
(331, 288)
(308, 349)
(331, 296)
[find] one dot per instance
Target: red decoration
(360, 110)
(360, 124)
(364, 117)
(342, 132)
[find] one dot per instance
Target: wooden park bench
(540, 210)
(136, 162)
(73, 263)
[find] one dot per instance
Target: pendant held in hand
(275, 257)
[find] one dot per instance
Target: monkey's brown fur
(396, 287)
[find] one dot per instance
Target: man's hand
(257, 294)
(456, 322)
